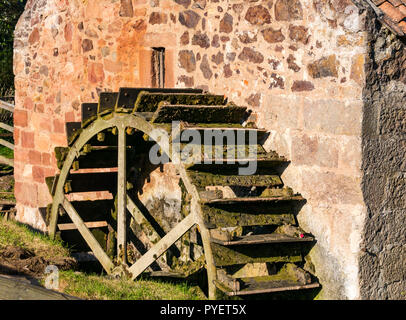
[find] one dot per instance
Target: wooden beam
(7, 144)
(140, 219)
(7, 106)
(7, 161)
(88, 236)
(163, 245)
(121, 198)
(72, 226)
(6, 127)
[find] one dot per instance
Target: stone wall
(383, 258)
(298, 64)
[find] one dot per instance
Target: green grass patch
(6, 152)
(96, 287)
(93, 286)
(17, 234)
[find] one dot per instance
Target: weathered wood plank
(140, 219)
(6, 106)
(107, 102)
(72, 226)
(7, 144)
(6, 127)
(121, 198)
(129, 96)
(267, 288)
(88, 236)
(227, 256)
(261, 239)
(244, 200)
(156, 251)
(7, 161)
(198, 113)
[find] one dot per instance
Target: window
(158, 67)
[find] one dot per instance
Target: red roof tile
(393, 14)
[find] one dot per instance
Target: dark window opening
(158, 67)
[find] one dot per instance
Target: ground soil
(18, 261)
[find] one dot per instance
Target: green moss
(232, 216)
(188, 268)
(72, 138)
(202, 179)
(277, 192)
(6, 152)
(89, 120)
(148, 102)
(101, 237)
(198, 114)
(50, 182)
(226, 256)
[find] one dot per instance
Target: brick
(46, 159)
(38, 174)
(332, 116)
(95, 72)
(58, 126)
(315, 150)
(28, 103)
(34, 157)
(332, 188)
(20, 118)
(27, 139)
(26, 193)
(42, 142)
(20, 154)
(16, 136)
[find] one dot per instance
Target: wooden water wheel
(240, 228)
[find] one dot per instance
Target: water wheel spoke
(121, 198)
(163, 245)
(88, 236)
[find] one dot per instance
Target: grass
(17, 234)
(93, 286)
(6, 152)
(97, 287)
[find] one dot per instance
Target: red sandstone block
(45, 159)
(46, 125)
(50, 99)
(20, 155)
(58, 140)
(27, 139)
(28, 103)
(16, 136)
(58, 126)
(34, 157)
(48, 172)
(26, 193)
(20, 118)
(38, 174)
(44, 197)
(69, 117)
